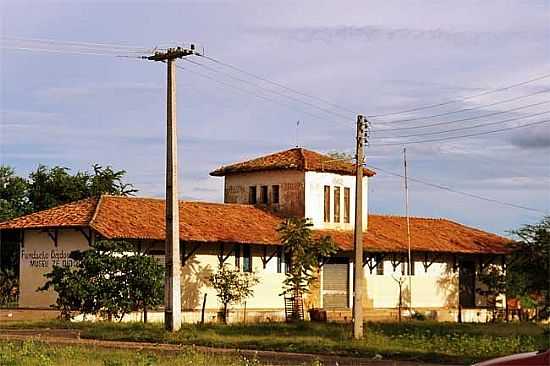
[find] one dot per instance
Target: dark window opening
(336, 204)
(263, 195)
(247, 259)
(346, 205)
(275, 194)
(327, 204)
(252, 195)
(237, 256)
(380, 268)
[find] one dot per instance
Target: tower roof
(294, 159)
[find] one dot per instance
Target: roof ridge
(412, 217)
(96, 210)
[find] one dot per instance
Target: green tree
(232, 286)
(304, 252)
(528, 271)
(13, 194)
(111, 279)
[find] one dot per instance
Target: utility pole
(172, 277)
(409, 271)
(358, 233)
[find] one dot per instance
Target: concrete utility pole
(409, 271)
(172, 290)
(358, 233)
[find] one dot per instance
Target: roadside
(68, 337)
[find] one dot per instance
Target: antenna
(297, 126)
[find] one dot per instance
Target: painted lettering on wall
(46, 258)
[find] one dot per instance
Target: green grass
(35, 353)
(422, 341)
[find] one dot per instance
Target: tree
(494, 280)
(111, 280)
(52, 187)
(49, 187)
(232, 287)
(8, 287)
(13, 194)
(528, 271)
(304, 252)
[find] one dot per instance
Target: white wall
(436, 288)
(314, 199)
(37, 257)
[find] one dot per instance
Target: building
(258, 194)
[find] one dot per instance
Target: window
(275, 194)
(237, 256)
(336, 204)
(247, 259)
(346, 205)
(380, 268)
(263, 195)
(252, 195)
(327, 204)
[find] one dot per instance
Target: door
(467, 284)
(336, 283)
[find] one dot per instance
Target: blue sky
(371, 57)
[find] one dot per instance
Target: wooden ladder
(294, 309)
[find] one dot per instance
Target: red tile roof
(389, 234)
(74, 214)
(297, 159)
(143, 218)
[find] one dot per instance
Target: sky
(368, 57)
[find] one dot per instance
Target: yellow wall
(37, 257)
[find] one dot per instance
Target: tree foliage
(304, 253)
(232, 286)
(527, 274)
(528, 271)
(48, 187)
(110, 280)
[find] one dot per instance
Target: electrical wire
(449, 189)
(462, 136)
(328, 111)
(470, 127)
(68, 52)
(491, 91)
(79, 44)
(464, 109)
(280, 85)
(260, 96)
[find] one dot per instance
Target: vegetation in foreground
(35, 353)
(415, 340)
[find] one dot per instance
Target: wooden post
(358, 233)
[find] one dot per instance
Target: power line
(461, 99)
(465, 109)
(74, 52)
(343, 108)
(472, 195)
(464, 136)
(79, 44)
(344, 117)
(470, 127)
(260, 96)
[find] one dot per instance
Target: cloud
(336, 34)
(534, 138)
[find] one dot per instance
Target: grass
(415, 340)
(35, 353)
